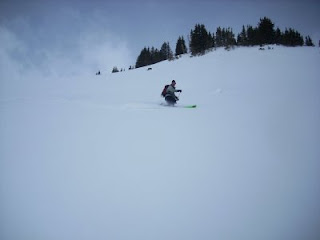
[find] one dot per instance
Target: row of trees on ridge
(150, 56)
(201, 41)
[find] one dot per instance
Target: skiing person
(170, 96)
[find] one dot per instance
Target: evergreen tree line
(150, 56)
(265, 33)
(201, 40)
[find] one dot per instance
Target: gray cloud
(62, 44)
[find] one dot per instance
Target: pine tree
(151, 56)
(292, 38)
(144, 58)
(195, 41)
(184, 46)
(219, 37)
(213, 41)
(115, 70)
(266, 31)
(242, 38)
(166, 51)
(278, 36)
(229, 38)
(181, 47)
(225, 37)
(200, 40)
(252, 34)
(309, 42)
(157, 56)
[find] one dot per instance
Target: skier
(170, 97)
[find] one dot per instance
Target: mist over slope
(99, 157)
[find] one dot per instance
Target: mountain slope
(100, 158)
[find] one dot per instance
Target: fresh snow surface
(99, 157)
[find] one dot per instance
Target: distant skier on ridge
(170, 96)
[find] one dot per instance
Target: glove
(179, 90)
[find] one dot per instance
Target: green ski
(190, 106)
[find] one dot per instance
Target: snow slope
(98, 157)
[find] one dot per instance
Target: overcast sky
(105, 33)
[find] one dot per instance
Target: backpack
(164, 91)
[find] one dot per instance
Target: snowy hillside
(98, 157)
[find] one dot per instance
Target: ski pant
(170, 99)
